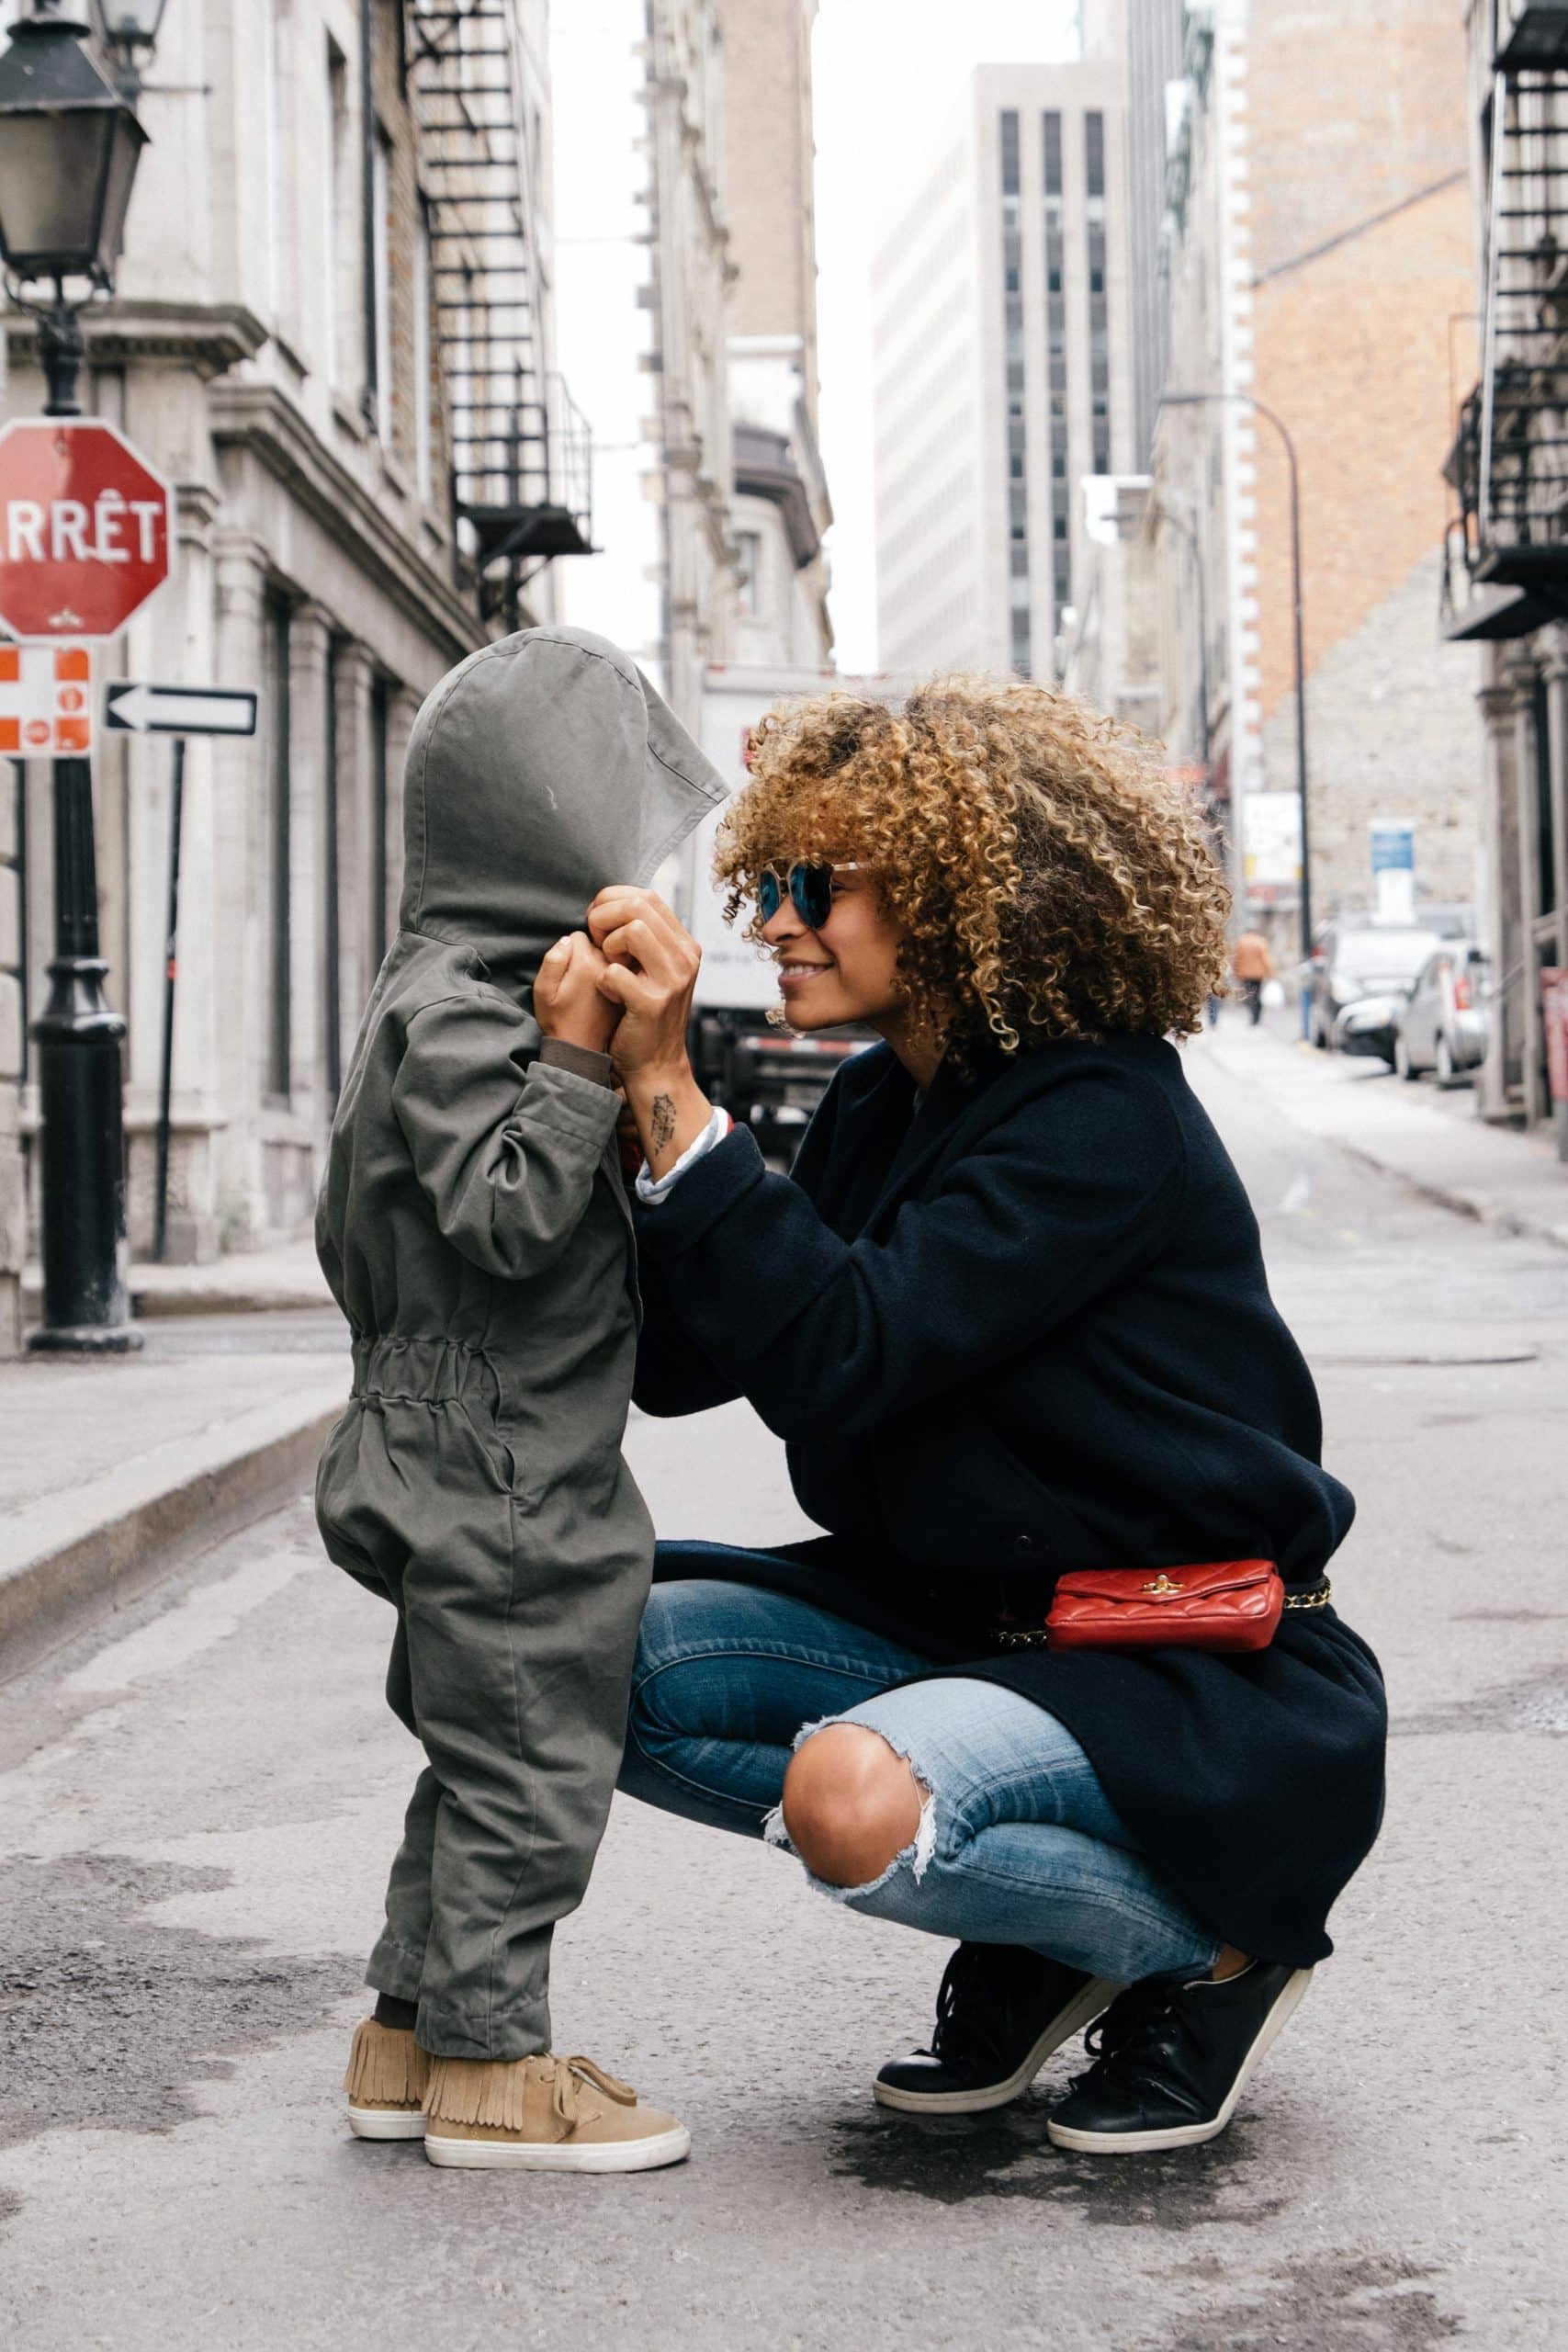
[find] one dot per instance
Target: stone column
(402, 709)
(1526, 849)
(239, 975)
(309, 632)
(1555, 670)
(355, 773)
(1500, 916)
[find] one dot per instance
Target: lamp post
(69, 146)
(1260, 408)
(130, 26)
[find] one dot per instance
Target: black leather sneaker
(1171, 2059)
(1000, 2013)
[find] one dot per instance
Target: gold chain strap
(1035, 1637)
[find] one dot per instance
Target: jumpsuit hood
(541, 768)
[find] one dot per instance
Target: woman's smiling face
(846, 970)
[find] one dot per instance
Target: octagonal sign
(86, 529)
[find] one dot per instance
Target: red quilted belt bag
(1219, 1605)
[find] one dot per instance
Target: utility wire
(1359, 227)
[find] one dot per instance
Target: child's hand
(567, 1002)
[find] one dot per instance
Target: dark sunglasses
(810, 883)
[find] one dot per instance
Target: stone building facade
(695, 230)
(328, 272)
(1506, 583)
(1001, 337)
(1320, 265)
(780, 507)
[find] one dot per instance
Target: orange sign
(45, 701)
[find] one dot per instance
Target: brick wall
(1352, 112)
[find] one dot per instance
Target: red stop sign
(86, 528)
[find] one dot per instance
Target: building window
(1098, 308)
(279, 926)
(381, 711)
(379, 260)
(1010, 154)
(749, 572)
(1056, 344)
(1013, 361)
(332, 992)
(272, 136)
(340, 275)
(1051, 148)
(423, 388)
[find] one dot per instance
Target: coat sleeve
(675, 1374)
(1068, 1198)
(505, 1148)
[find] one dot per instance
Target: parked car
(1443, 1025)
(1358, 980)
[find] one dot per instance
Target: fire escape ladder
(518, 448)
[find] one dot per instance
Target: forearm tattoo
(663, 1121)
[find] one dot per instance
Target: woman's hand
(568, 1001)
(651, 970)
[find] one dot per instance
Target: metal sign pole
(171, 968)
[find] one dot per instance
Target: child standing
(473, 1229)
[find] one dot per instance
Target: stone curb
(1480, 1205)
(148, 1300)
(127, 1529)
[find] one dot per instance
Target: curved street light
(1262, 407)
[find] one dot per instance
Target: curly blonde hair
(1052, 879)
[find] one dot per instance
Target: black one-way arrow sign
(181, 710)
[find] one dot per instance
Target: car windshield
(1384, 954)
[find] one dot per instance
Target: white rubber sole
(531, 2155)
(386, 2123)
(1191, 2135)
(1096, 1996)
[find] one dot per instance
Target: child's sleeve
(505, 1148)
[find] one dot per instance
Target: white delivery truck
(765, 1076)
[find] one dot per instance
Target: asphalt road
(199, 1801)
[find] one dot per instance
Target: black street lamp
(1260, 408)
(69, 147)
(130, 26)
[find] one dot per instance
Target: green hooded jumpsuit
(474, 1228)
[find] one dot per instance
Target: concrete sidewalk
(1432, 1141)
(247, 1282)
(115, 1468)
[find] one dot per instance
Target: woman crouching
(1009, 1311)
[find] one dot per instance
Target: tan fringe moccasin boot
(387, 2075)
(544, 2114)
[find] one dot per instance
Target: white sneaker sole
(538, 2155)
(386, 2123)
(1082, 2010)
(1191, 2135)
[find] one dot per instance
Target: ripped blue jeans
(1016, 1842)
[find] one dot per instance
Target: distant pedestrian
(474, 1228)
(1009, 1313)
(1252, 965)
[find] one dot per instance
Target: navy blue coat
(1025, 1327)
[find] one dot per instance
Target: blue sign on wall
(1393, 845)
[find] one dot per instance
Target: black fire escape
(519, 450)
(1507, 569)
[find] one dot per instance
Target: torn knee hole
(853, 1808)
